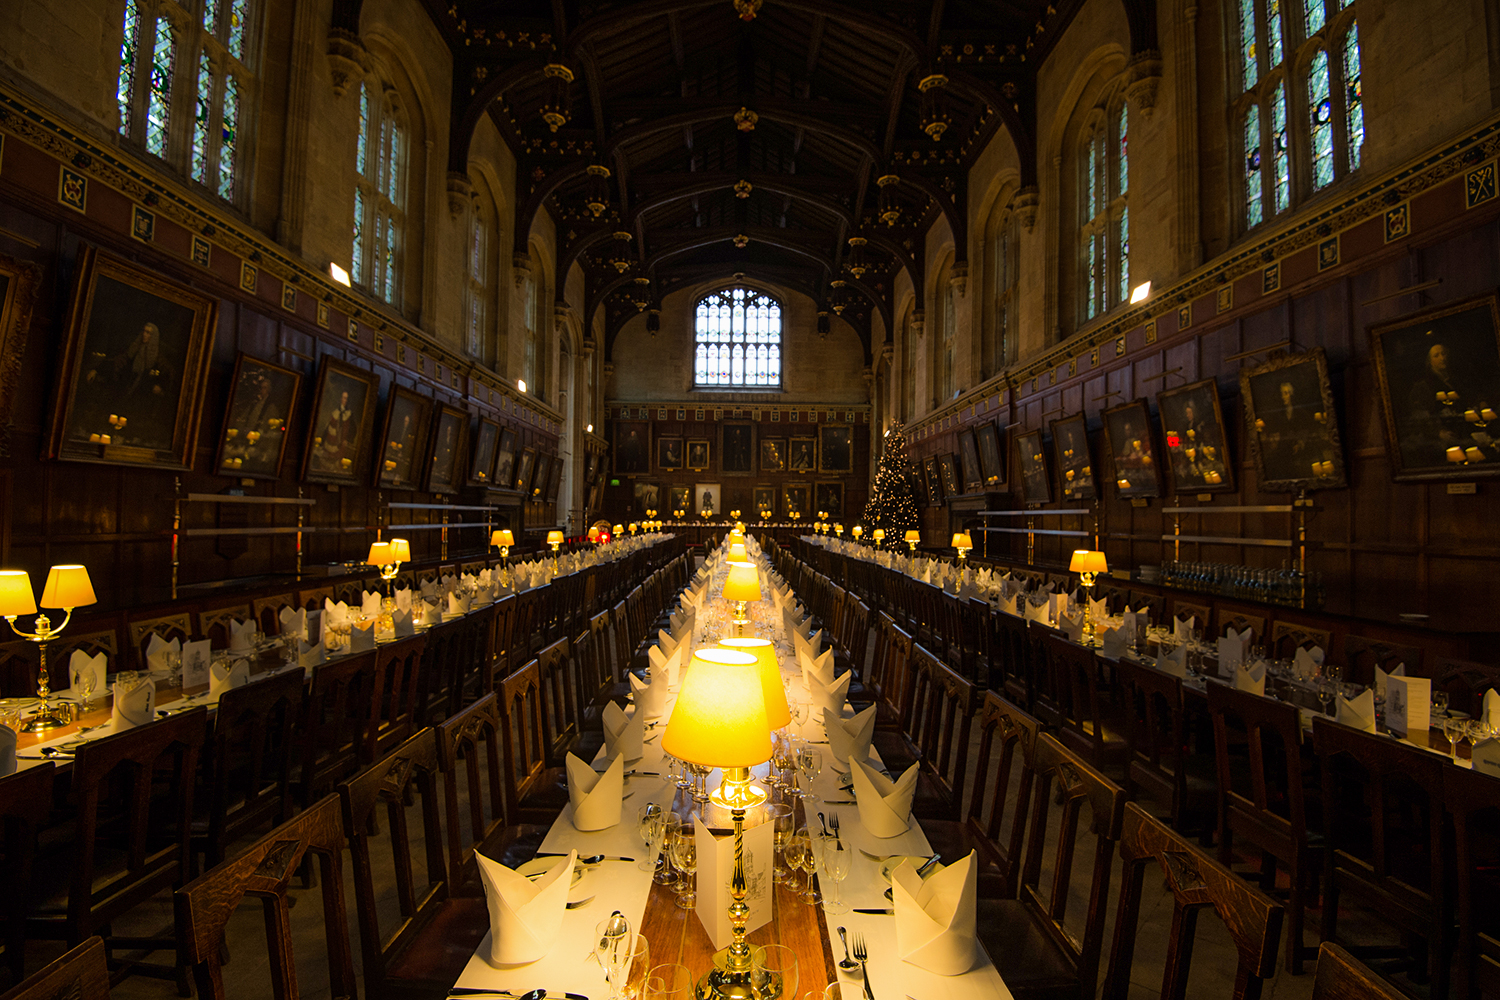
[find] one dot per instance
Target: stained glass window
(203, 108)
(361, 140)
(1104, 236)
(736, 339)
(1122, 240)
(229, 125)
(390, 260)
(211, 16)
(1247, 43)
(1274, 48)
(159, 99)
(1124, 130)
(357, 263)
(1354, 98)
(129, 50)
(528, 360)
(1282, 152)
(1315, 16)
(1253, 210)
(1320, 112)
(236, 36)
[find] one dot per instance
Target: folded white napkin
(240, 633)
(1358, 712)
(1127, 622)
(293, 622)
(650, 696)
(520, 582)
(850, 739)
(369, 604)
(135, 704)
(309, 655)
(666, 666)
(1182, 628)
(98, 665)
(819, 667)
(401, 623)
(1037, 612)
(1070, 627)
(221, 678)
(1231, 655)
(1381, 675)
(403, 598)
(429, 590)
(1486, 757)
(334, 614)
(1097, 610)
(525, 915)
(935, 919)
(448, 584)
(157, 651)
(884, 805)
(666, 640)
(808, 645)
(803, 628)
(1308, 661)
(681, 622)
(1174, 663)
(431, 613)
(457, 605)
(196, 658)
(1114, 643)
(7, 750)
(623, 733)
(1251, 677)
(1491, 712)
(829, 696)
(596, 797)
(362, 636)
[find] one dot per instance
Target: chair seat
(547, 798)
(955, 839)
(512, 846)
(896, 751)
(438, 953)
(1033, 967)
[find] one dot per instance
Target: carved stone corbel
(918, 317)
(348, 59)
(958, 278)
(521, 264)
(460, 193)
(1145, 74)
(1028, 199)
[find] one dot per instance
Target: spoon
(823, 823)
(848, 964)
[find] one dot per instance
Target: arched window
(1104, 213)
(737, 339)
(190, 59)
(1006, 279)
(947, 346)
(1317, 140)
(379, 193)
(477, 275)
(532, 335)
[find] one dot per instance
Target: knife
(460, 991)
(887, 912)
(839, 802)
(607, 857)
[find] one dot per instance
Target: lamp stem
(1087, 579)
(45, 718)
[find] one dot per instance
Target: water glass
(783, 825)
(809, 766)
(811, 862)
(649, 825)
(777, 962)
(1440, 703)
(667, 875)
(669, 982)
(1454, 729)
(84, 681)
(835, 870)
(685, 857)
(795, 852)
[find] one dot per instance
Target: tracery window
(737, 339)
(530, 348)
(476, 276)
(1104, 213)
(1301, 109)
(1006, 277)
(379, 193)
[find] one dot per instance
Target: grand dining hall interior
(666, 499)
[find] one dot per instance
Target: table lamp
(1088, 564)
(503, 540)
(913, 539)
(963, 543)
(632, 529)
(68, 587)
(778, 713)
(742, 587)
(737, 553)
(878, 535)
(858, 531)
(720, 721)
(593, 534)
(838, 529)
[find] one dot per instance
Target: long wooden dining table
(676, 935)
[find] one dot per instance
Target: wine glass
(685, 857)
(799, 710)
(776, 962)
(84, 681)
(614, 947)
(649, 825)
(669, 982)
(796, 849)
(1454, 729)
(667, 876)
(810, 863)
(781, 759)
(1440, 703)
(809, 765)
(782, 827)
(835, 869)
(1325, 693)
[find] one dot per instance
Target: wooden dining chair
(532, 790)
(1362, 656)
(248, 765)
(1201, 613)
(993, 825)
(1010, 659)
(313, 598)
(398, 665)
(1261, 796)
(267, 611)
(1089, 718)
(265, 871)
(337, 731)
(1465, 681)
(131, 832)
(559, 700)
(1163, 768)
(1472, 799)
(25, 806)
(174, 626)
(1030, 937)
(1383, 842)
(1197, 882)
(941, 718)
(1239, 621)
(1287, 638)
(1341, 976)
(81, 974)
(890, 677)
(213, 623)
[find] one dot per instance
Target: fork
(860, 955)
(833, 824)
(582, 902)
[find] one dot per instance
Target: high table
(677, 936)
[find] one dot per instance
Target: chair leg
(1295, 913)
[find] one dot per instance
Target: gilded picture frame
(257, 419)
(1197, 443)
(1031, 466)
(338, 433)
(935, 493)
(737, 448)
(1292, 423)
(772, 454)
(446, 464)
(1073, 458)
(968, 462)
(1132, 450)
(992, 455)
(504, 477)
(486, 446)
(19, 281)
(525, 467)
(403, 438)
(836, 448)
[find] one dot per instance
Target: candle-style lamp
(913, 539)
(68, 587)
(633, 526)
(742, 587)
(963, 543)
(720, 721)
(1088, 564)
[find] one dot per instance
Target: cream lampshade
(554, 538)
(380, 554)
(778, 714)
(962, 542)
(878, 534)
(743, 583)
(502, 539)
(619, 529)
(16, 598)
(68, 587)
(1088, 561)
(914, 537)
(400, 550)
(737, 553)
(720, 716)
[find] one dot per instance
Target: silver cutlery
(461, 991)
(582, 903)
(888, 911)
(861, 954)
(848, 964)
(592, 859)
(839, 802)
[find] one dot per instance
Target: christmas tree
(891, 505)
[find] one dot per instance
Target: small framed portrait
(829, 496)
(991, 456)
(590, 466)
(1132, 450)
(796, 499)
(646, 496)
(633, 447)
(835, 448)
(802, 455)
(697, 454)
(772, 454)
(343, 414)
(1439, 374)
(134, 360)
(968, 462)
(445, 469)
(1293, 425)
(19, 281)
(257, 420)
(765, 502)
(541, 475)
(554, 481)
(400, 463)
(486, 440)
(525, 469)
(1074, 463)
(707, 496)
(505, 460)
(737, 449)
(681, 498)
(935, 493)
(948, 469)
(669, 453)
(918, 487)
(1031, 461)
(1197, 446)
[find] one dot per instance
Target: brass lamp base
(723, 982)
(733, 975)
(45, 718)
